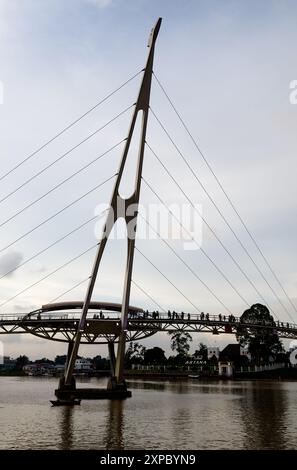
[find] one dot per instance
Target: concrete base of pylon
(114, 391)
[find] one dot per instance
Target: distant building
(244, 352)
(233, 355)
(83, 365)
(42, 368)
(213, 351)
(226, 368)
(236, 353)
(8, 363)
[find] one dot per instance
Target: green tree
(180, 342)
(134, 354)
(43, 360)
(202, 351)
(100, 363)
(60, 360)
(177, 362)
(21, 361)
(154, 356)
(262, 342)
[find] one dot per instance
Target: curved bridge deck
(104, 326)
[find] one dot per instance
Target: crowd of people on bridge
(173, 315)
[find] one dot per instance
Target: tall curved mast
(130, 217)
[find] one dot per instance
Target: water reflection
(161, 415)
(177, 387)
(113, 438)
(66, 427)
(263, 410)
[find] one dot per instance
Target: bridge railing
(11, 316)
(144, 315)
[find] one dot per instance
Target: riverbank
(276, 374)
(12, 373)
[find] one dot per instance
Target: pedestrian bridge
(59, 322)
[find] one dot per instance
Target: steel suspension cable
(49, 274)
(187, 265)
(60, 184)
(69, 290)
(148, 295)
(65, 129)
(212, 231)
(220, 213)
(58, 213)
(170, 282)
(198, 246)
(226, 194)
(36, 255)
(61, 157)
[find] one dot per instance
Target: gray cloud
(10, 261)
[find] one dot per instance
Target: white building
(225, 368)
(213, 351)
(244, 352)
(83, 364)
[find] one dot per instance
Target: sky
(227, 66)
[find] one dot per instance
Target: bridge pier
(63, 385)
(115, 382)
(68, 392)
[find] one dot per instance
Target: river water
(160, 415)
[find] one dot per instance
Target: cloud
(235, 98)
(100, 3)
(9, 262)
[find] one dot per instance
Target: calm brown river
(160, 415)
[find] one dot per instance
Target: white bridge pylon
(142, 104)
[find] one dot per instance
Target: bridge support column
(63, 385)
(117, 381)
(128, 209)
(112, 357)
(69, 352)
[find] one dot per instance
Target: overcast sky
(227, 65)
